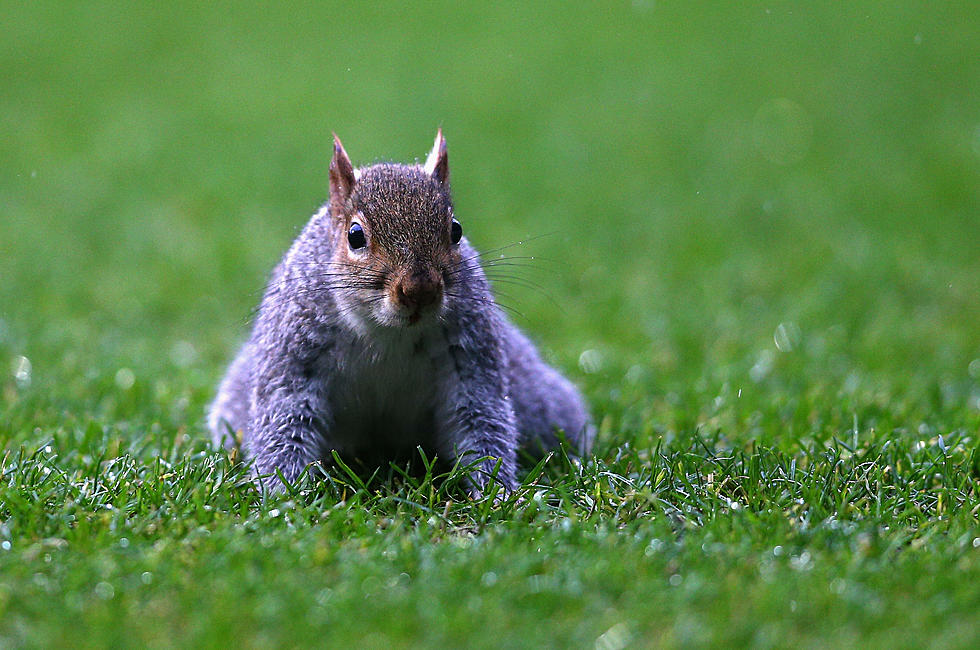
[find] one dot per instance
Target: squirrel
(378, 333)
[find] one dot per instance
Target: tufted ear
(437, 164)
(341, 176)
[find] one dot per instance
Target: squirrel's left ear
(342, 177)
(437, 164)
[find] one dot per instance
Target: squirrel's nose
(419, 290)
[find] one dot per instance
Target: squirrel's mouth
(418, 315)
(394, 314)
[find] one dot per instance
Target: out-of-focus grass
(759, 225)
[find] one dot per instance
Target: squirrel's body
(378, 334)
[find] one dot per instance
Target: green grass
(756, 231)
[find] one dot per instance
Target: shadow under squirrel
(378, 333)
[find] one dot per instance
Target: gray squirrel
(378, 334)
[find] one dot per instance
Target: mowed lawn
(750, 233)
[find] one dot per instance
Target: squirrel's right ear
(341, 175)
(437, 164)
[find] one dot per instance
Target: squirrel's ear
(437, 164)
(341, 175)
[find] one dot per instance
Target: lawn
(756, 242)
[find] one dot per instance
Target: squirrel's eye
(456, 232)
(355, 237)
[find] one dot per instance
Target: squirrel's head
(395, 236)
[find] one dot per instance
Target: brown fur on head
(406, 216)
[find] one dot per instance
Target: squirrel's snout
(418, 290)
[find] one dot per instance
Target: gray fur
(327, 368)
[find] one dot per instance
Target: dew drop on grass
(976, 543)
(762, 367)
(183, 354)
(590, 361)
(146, 577)
(676, 580)
(653, 547)
(125, 378)
(786, 337)
(21, 368)
(635, 374)
(802, 562)
(105, 591)
(615, 638)
(488, 579)
(323, 596)
(5, 544)
(974, 368)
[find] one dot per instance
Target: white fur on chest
(390, 389)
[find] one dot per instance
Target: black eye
(456, 232)
(355, 237)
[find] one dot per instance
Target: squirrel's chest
(390, 394)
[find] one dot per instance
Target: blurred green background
(701, 174)
(755, 219)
